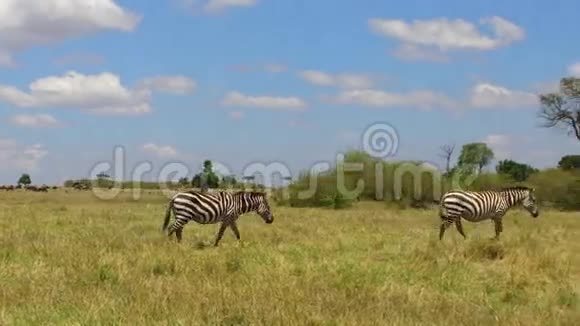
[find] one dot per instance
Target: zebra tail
(167, 216)
(442, 210)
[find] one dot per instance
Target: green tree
(24, 179)
(562, 108)
(475, 156)
(569, 162)
(518, 171)
(229, 180)
(207, 178)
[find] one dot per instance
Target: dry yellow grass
(72, 259)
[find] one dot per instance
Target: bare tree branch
(446, 153)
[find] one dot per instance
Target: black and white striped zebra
(214, 207)
(479, 206)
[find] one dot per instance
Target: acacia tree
(517, 171)
(475, 156)
(562, 109)
(24, 179)
(569, 162)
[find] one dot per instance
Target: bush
(408, 185)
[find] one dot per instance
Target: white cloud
(34, 120)
(236, 98)
(449, 34)
(344, 80)
(170, 84)
(160, 151)
(28, 23)
(101, 93)
(412, 52)
(219, 5)
(422, 99)
(574, 69)
(17, 156)
(236, 115)
(486, 95)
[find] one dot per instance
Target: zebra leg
(459, 227)
(445, 223)
(220, 233)
(177, 227)
(498, 227)
(234, 228)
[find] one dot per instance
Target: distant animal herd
(42, 188)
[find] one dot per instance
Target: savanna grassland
(70, 258)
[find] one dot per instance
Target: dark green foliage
(206, 178)
(24, 179)
(229, 180)
(569, 162)
(518, 171)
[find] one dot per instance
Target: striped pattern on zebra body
(212, 208)
(477, 206)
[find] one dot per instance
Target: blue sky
(296, 82)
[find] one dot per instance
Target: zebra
(479, 206)
(214, 207)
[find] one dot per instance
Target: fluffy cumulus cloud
(14, 155)
(421, 37)
(161, 151)
(34, 120)
(343, 80)
(28, 23)
(236, 98)
(486, 95)
(101, 93)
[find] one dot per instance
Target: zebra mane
(251, 193)
(517, 188)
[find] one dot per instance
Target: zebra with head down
(476, 206)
